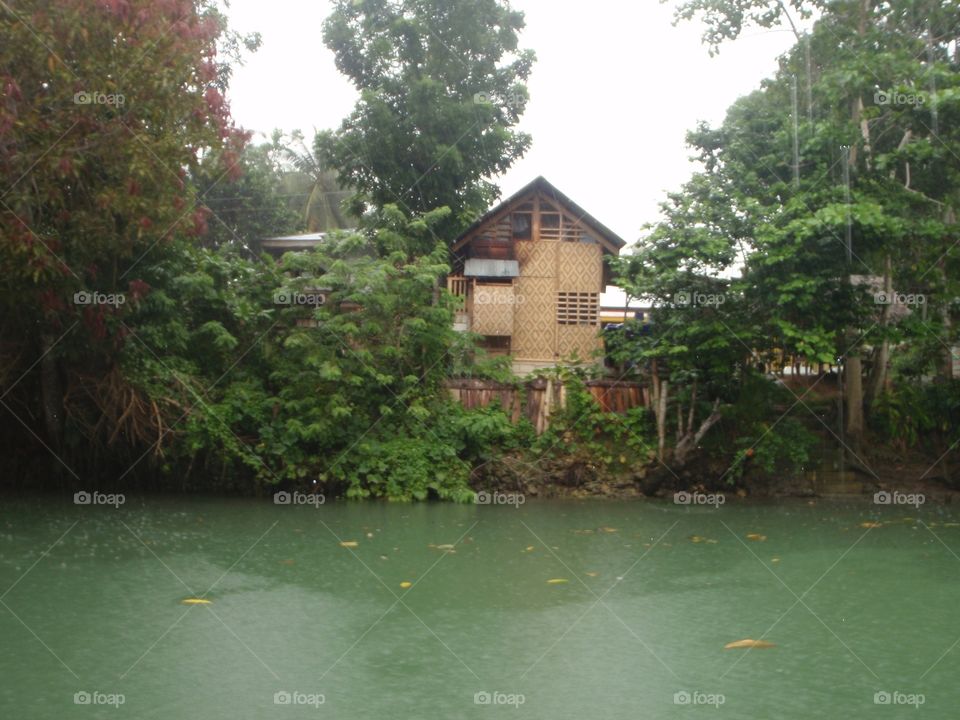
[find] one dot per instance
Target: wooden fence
(537, 399)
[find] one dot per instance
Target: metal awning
(491, 268)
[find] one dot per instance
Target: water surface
(648, 595)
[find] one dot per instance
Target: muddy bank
(577, 477)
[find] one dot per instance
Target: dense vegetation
(146, 339)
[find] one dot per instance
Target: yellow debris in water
(748, 643)
(349, 544)
(712, 541)
(405, 584)
(445, 548)
(607, 529)
(196, 601)
(869, 525)
(592, 574)
(557, 581)
(530, 548)
(756, 537)
(696, 539)
(774, 559)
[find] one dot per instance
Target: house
(530, 272)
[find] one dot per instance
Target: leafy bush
(915, 415)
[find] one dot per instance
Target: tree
(857, 178)
(106, 110)
(245, 210)
(441, 91)
(696, 346)
(313, 185)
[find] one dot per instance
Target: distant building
(277, 246)
(530, 272)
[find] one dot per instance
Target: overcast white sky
(614, 89)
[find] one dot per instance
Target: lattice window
(578, 308)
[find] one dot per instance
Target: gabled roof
(542, 185)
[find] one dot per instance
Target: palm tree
(313, 187)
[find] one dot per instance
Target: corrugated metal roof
(491, 268)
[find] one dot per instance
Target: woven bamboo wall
(580, 267)
(493, 309)
(552, 262)
(534, 322)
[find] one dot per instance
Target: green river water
(92, 623)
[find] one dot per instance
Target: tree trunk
(691, 440)
(878, 373)
(946, 364)
(662, 394)
(854, 387)
(51, 392)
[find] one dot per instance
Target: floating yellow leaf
(592, 574)
(607, 529)
(774, 559)
(530, 548)
(748, 643)
(557, 581)
(349, 544)
(196, 601)
(696, 539)
(446, 548)
(869, 525)
(756, 537)
(405, 584)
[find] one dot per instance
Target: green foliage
(919, 416)
(441, 91)
(247, 209)
(582, 428)
(761, 437)
(108, 112)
